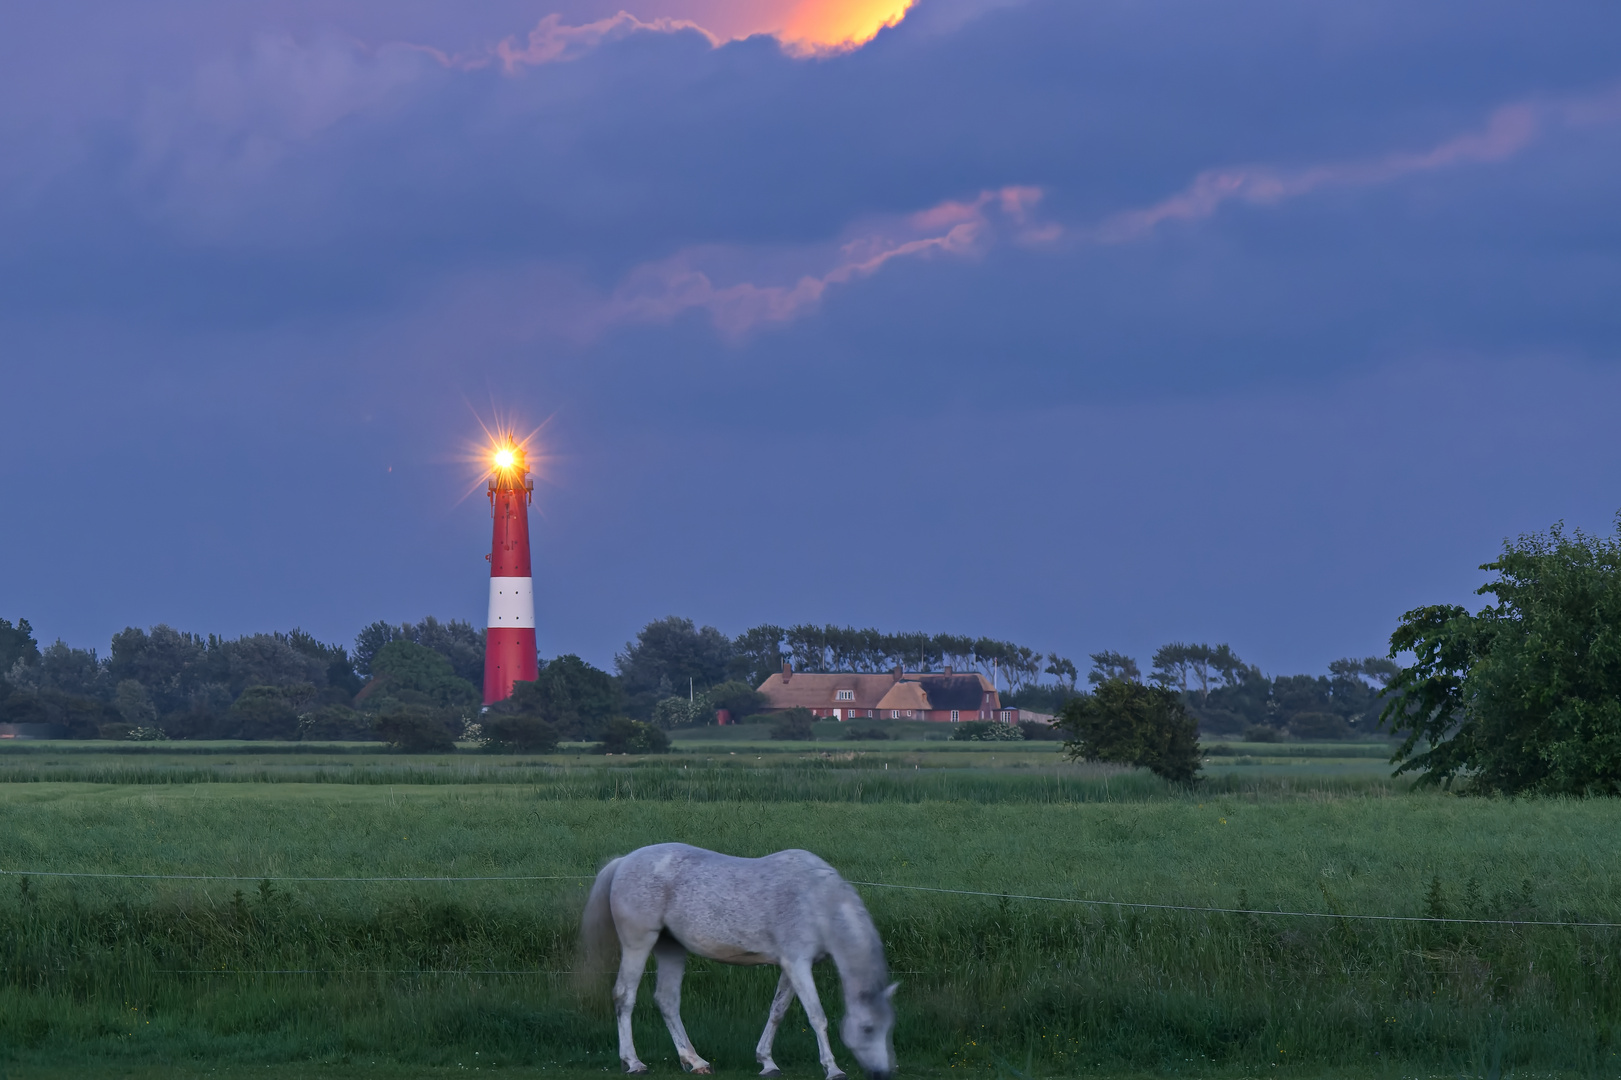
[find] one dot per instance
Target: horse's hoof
(835, 1076)
(636, 1070)
(702, 1070)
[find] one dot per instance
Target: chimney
(948, 671)
(897, 673)
(787, 671)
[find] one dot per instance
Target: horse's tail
(598, 938)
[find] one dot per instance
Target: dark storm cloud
(277, 164)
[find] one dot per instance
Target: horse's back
(726, 907)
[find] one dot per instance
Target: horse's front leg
(672, 960)
(632, 959)
(779, 1009)
(798, 973)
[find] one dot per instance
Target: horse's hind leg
(779, 1009)
(672, 960)
(632, 959)
(798, 972)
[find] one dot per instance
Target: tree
(1062, 669)
(1128, 723)
(673, 650)
(17, 645)
(625, 736)
(414, 730)
(457, 641)
(334, 723)
(738, 698)
(756, 654)
(412, 668)
(134, 705)
(568, 693)
(676, 711)
(271, 712)
(794, 724)
(1196, 667)
(1523, 696)
(1108, 665)
(807, 646)
(264, 660)
(64, 669)
(519, 734)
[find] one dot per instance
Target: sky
(1090, 325)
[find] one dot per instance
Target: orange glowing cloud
(804, 28)
(820, 26)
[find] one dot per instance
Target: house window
(895, 714)
(953, 716)
(845, 695)
(908, 714)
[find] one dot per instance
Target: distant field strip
(865, 779)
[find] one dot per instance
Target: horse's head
(868, 1022)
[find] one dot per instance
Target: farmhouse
(892, 695)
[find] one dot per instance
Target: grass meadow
(273, 977)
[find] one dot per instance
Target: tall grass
(116, 970)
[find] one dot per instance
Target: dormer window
(845, 695)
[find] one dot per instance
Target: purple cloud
(660, 291)
(1510, 130)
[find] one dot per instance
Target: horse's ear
(889, 991)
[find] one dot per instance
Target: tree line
(1523, 695)
(162, 682)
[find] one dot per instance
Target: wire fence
(1118, 904)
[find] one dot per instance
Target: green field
(272, 977)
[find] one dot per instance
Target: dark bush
(519, 734)
(570, 694)
(857, 734)
(985, 731)
(270, 712)
(1131, 724)
(1262, 733)
(335, 723)
(415, 731)
(625, 736)
(80, 717)
(795, 724)
(1318, 725)
(738, 698)
(1039, 732)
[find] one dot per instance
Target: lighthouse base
(509, 657)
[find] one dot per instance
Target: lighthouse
(509, 648)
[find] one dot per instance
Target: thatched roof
(885, 690)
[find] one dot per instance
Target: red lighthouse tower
(509, 649)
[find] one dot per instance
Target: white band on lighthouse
(512, 603)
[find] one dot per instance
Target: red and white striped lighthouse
(509, 649)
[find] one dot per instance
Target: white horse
(789, 909)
